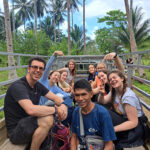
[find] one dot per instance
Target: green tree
(107, 38)
(24, 10)
(2, 26)
(77, 39)
(141, 29)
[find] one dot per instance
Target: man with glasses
(26, 121)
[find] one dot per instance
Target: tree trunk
(11, 61)
(54, 24)
(133, 45)
(84, 27)
(13, 18)
(35, 28)
(68, 16)
(72, 20)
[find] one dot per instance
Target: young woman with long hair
(126, 113)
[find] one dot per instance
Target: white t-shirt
(130, 98)
(69, 77)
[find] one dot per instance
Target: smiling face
(54, 77)
(91, 69)
(71, 65)
(63, 76)
(115, 80)
(103, 77)
(83, 97)
(36, 69)
(100, 67)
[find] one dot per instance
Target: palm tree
(24, 10)
(68, 17)
(11, 61)
(84, 27)
(73, 7)
(78, 38)
(42, 7)
(58, 12)
(141, 29)
(30, 26)
(47, 27)
(2, 26)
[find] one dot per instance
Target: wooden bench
(5, 143)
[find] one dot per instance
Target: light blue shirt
(44, 80)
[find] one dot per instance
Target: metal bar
(138, 52)
(138, 66)
(1, 108)
(141, 91)
(145, 105)
(2, 96)
(8, 81)
(12, 67)
(141, 80)
(19, 54)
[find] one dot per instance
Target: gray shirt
(130, 98)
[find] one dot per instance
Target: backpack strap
(82, 134)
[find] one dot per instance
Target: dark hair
(83, 84)
(125, 84)
(51, 72)
(37, 59)
(73, 72)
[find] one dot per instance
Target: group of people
(109, 107)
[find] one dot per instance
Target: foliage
(107, 42)
(24, 10)
(113, 18)
(2, 27)
(106, 38)
(25, 43)
(141, 29)
(63, 46)
(77, 39)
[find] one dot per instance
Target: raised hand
(58, 53)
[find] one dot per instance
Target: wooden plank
(9, 146)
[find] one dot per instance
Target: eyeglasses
(36, 68)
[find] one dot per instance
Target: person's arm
(115, 57)
(108, 145)
(74, 142)
(51, 96)
(35, 110)
(132, 122)
(104, 99)
(39, 111)
(49, 64)
(62, 69)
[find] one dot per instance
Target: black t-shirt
(20, 90)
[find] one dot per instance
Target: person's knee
(46, 122)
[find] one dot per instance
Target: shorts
(23, 132)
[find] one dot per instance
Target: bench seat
(7, 145)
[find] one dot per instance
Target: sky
(95, 9)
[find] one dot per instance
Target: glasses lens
(36, 68)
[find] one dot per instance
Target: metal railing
(82, 67)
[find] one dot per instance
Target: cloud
(92, 33)
(64, 26)
(97, 8)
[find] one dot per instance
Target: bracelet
(115, 55)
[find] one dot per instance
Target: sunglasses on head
(37, 67)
